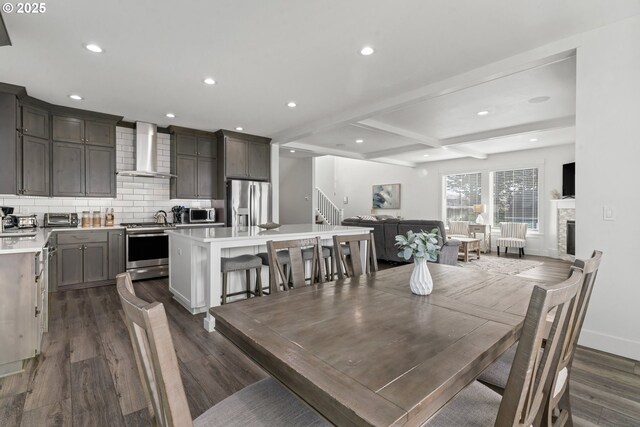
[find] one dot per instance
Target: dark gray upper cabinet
(245, 156)
(100, 171)
(35, 122)
(68, 129)
(81, 131)
(8, 143)
(116, 253)
(194, 161)
(68, 169)
(99, 133)
(186, 144)
(259, 160)
(35, 166)
(187, 172)
(235, 160)
(207, 178)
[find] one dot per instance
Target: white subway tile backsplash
(138, 198)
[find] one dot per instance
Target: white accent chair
(512, 235)
(458, 229)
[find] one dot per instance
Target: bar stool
(240, 263)
(307, 255)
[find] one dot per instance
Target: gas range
(147, 249)
(146, 226)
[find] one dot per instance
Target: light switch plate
(345, 200)
(608, 213)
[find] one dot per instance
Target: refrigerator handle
(250, 219)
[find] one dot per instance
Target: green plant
(419, 245)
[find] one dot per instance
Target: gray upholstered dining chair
(527, 393)
(347, 254)
(294, 253)
(496, 374)
(458, 229)
(265, 402)
(512, 235)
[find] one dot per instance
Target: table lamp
(480, 209)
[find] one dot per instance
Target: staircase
(326, 211)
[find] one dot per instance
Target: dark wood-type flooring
(86, 374)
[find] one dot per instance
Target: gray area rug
(508, 266)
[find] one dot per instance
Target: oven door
(147, 249)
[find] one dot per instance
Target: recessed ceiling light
(539, 99)
(76, 97)
(291, 104)
(359, 141)
(209, 81)
(533, 140)
(239, 128)
(482, 113)
(292, 151)
(425, 155)
(171, 115)
(366, 51)
(94, 48)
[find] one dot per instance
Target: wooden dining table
(366, 351)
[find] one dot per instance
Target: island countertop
(287, 231)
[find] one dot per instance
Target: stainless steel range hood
(146, 152)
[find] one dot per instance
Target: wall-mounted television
(569, 180)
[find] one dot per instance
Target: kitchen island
(194, 258)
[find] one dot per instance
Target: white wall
(607, 156)
(296, 190)
(137, 198)
(421, 191)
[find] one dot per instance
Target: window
(515, 197)
(462, 192)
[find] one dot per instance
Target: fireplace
(571, 237)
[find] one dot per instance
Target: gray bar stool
(240, 263)
(307, 255)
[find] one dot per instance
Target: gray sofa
(386, 230)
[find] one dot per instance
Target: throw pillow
(367, 217)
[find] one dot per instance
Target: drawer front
(66, 238)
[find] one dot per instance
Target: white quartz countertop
(221, 234)
(20, 243)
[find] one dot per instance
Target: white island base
(194, 259)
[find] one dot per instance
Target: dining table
(366, 351)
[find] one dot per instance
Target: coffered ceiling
(264, 54)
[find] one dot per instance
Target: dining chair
(512, 235)
(348, 257)
(496, 374)
(527, 393)
(265, 402)
(295, 276)
(458, 229)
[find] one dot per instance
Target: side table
(485, 230)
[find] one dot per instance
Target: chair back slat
(352, 266)
(527, 392)
(155, 357)
(277, 271)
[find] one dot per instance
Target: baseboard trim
(610, 344)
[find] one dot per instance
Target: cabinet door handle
(25, 130)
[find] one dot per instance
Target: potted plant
(422, 247)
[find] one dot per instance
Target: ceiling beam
(326, 151)
(394, 151)
(562, 122)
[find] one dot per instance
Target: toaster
(61, 219)
(25, 221)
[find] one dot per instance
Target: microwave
(202, 215)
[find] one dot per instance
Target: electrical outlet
(345, 200)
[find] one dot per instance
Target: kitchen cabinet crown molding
(244, 136)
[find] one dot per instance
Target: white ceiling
(266, 53)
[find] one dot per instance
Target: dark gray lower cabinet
(35, 166)
(95, 261)
(70, 265)
(68, 169)
(84, 256)
(116, 253)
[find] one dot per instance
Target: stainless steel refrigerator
(248, 203)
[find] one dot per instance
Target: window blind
(515, 196)
(461, 193)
